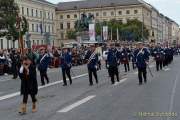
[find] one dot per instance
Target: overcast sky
(170, 8)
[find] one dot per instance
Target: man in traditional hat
(43, 64)
(66, 64)
(113, 63)
(159, 56)
(142, 58)
(92, 63)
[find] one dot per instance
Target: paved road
(125, 100)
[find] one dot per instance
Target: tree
(71, 34)
(8, 18)
(130, 31)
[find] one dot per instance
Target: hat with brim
(92, 45)
(139, 42)
(67, 47)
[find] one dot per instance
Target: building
(44, 17)
(40, 15)
(175, 33)
(103, 10)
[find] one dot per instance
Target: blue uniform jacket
(142, 57)
(158, 53)
(93, 63)
(66, 60)
(44, 63)
(113, 57)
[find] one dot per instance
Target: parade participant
(15, 58)
(112, 63)
(159, 55)
(133, 59)
(124, 57)
(66, 64)
(43, 64)
(92, 61)
(29, 85)
(142, 59)
(2, 62)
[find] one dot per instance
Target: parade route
(125, 100)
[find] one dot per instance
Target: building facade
(44, 17)
(40, 15)
(103, 10)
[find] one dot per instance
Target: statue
(83, 23)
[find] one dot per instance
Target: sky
(170, 8)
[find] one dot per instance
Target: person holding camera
(29, 85)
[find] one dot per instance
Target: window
(52, 29)
(120, 12)
(1, 43)
(104, 13)
(135, 11)
(120, 21)
(45, 28)
(32, 12)
(41, 14)
(49, 28)
(52, 16)
(68, 16)
(32, 27)
(36, 13)
(22, 10)
(127, 12)
(33, 42)
(37, 42)
(75, 16)
(48, 15)
(112, 13)
(62, 35)
(41, 42)
(153, 33)
(27, 11)
(7, 44)
(37, 26)
(68, 25)
(61, 26)
(44, 15)
(97, 14)
(61, 17)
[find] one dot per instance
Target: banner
(105, 33)
(92, 34)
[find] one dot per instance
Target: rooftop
(95, 4)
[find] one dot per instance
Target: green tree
(71, 34)
(8, 17)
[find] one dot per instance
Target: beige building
(154, 25)
(103, 10)
(41, 18)
(175, 32)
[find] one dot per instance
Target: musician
(125, 58)
(142, 59)
(29, 85)
(113, 63)
(92, 64)
(159, 56)
(43, 64)
(66, 64)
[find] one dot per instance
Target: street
(126, 100)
